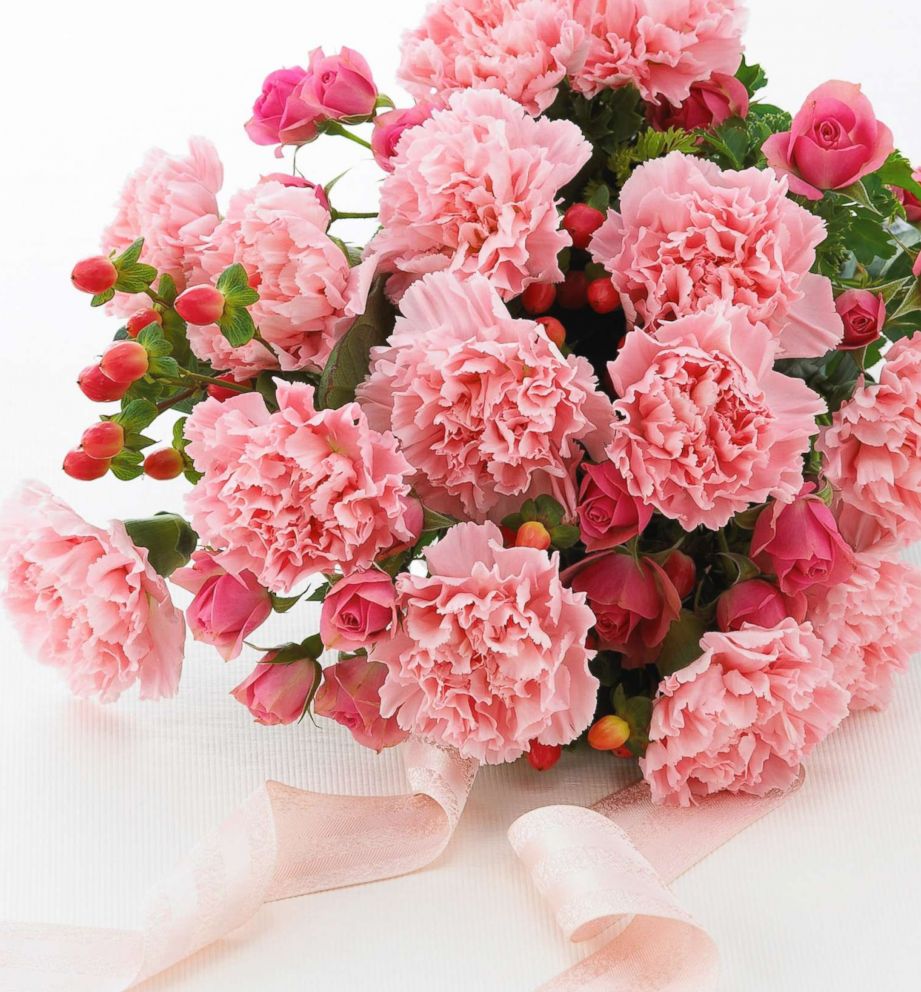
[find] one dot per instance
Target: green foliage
(898, 171)
(127, 465)
(752, 77)
(682, 643)
(737, 143)
(133, 276)
(637, 711)
(236, 324)
(834, 376)
(650, 144)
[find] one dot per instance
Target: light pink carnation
(662, 47)
(491, 654)
(524, 49)
(690, 233)
(484, 406)
(171, 203)
(871, 625)
(706, 426)
(278, 233)
(743, 716)
(872, 454)
(474, 189)
(295, 492)
(86, 602)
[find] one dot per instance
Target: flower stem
(334, 127)
(354, 215)
(180, 397)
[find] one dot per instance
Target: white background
(97, 803)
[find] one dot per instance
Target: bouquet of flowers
(610, 434)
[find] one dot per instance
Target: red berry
(141, 319)
(555, 330)
(573, 294)
(125, 361)
(581, 221)
(609, 733)
(533, 535)
(98, 387)
(623, 752)
(94, 275)
(602, 296)
(163, 464)
(220, 393)
(103, 440)
(538, 297)
(200, 305)
(543, 756)
(79, 465)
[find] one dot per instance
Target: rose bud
(603, 298)
(220, 393)
(200, 305)
(581, 221)
(710, 104)
(538, 297)
(555, 330)
(142, 318)
(163, 465)
(755, 601)
(608, 514)
(103, 440)
(864, 316)
(543, 757)
(389, 128)
(98, 387)
(358, 610)
(834, 141)
(277, 693)
(414, 521)
(799, 542)
(609, 733)
(227, 608)
(533, 534)
(351, 695)
(335, 87)
(94, 275)
(682, 571)
(79, 465)
(125, 361)
(572, 294)
(266, 124)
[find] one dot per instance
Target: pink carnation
(662, 47)
(743, 716)
(492, 651)
(171, 203)
(474, 189)
(871, 625)
(524, 49)
(484, 406)
(706, 426)
(871, 454)
(295, 492)
(86, 602)
(690, 233)
(278, 233)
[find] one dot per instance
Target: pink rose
(608, 514)
(267, 124)
(680, 568)
(277, 693)
(298, 182)
(756, 602)
(358, 610)
(226, 608)
(351, 695)
(909, 201)
(389, 128)
(834, 141)
(711, 103)
(864, 316)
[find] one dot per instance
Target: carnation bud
(142, 318)
(543, 757)
(538, 297)
(555, 330)
(533, 534)
(200, 305)
(169, 541)
(581, 221)
(79, 465)
(602, 296)
(682, 571)
(163, 464)
(103, 440)
(573, 294)
(219, 392)
(94, 275)
(125, 361)
(98, 387)
(609, 733)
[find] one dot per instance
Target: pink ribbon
(595, 867)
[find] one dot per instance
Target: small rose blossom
(358, 610)
(680, 568)
(864, 316)
(298, 182)
(608, 514)
(277, 693)
(834, 140)
(268, 125)
(389, 128)
(754, 602)
(711, 103)
(909, 200)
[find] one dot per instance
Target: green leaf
(167, 367)
(100, 298)
(565, 536)
(752, 77)
(166, 288)
(179, 434)
(136, 415)
(433, 521)
(549, 511)
(600, 198)
(898, 171)
(155, 344)
(281, 604)
(169, 540)
(131, 254)
(320, 593)
(233, 282)
(237, 325)
(135, 278)
(529, 511)
(127, 465)
(682, 643)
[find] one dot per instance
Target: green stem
(208, 380)
(334, 127)
(180, 397)
(354, 215)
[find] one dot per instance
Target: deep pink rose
(389, 128)
(298, 182)
(266, 125)
(351, 695)
(864, 316)
(634, 603)
(358, 610)
(227, 608)
(757, 602)
(277, 694)
(608, 514)
(710, 104)
(834, 141)
(799, 542)
(909, 201)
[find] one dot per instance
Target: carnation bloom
(491, 654)
(706, 426)
(871, 625)
(278, 233)
(690, 233)
(291, 493)
(171, 203)
(662, 47)
(744, 715)
(474, 189)
(871, 455)
(484, 406)
(525, 49)
(85, 600)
